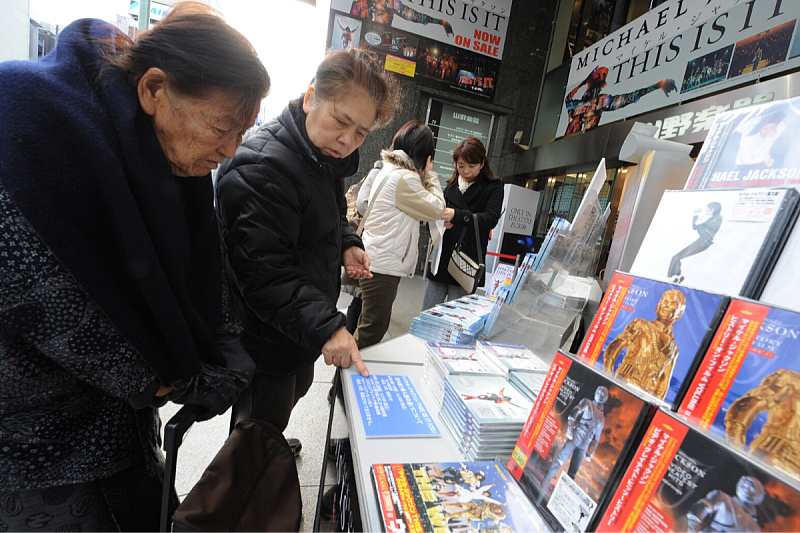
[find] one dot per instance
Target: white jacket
(391, 229)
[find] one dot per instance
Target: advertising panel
(678, 51)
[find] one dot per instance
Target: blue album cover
(747, 387)
(390, 407)
(651, 334)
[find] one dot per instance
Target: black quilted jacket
(281, 207)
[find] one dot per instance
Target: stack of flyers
(747, 387)
(500, 298)
(559, 225)
(528, 383)
(437, 333)
(508, 357)
(444, 359)
(484, 414)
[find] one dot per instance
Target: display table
(348, 466)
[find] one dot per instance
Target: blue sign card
(391, 407)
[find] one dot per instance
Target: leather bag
(250, 485)
(462, 267)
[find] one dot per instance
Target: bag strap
(360, 228)
(477, 237)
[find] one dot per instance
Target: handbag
(346, 280)
(462, 267)
(251, 485)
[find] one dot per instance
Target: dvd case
(747, 387)
(651, 334)
(719, 240)
(577, 441)
(450, 497)
(750, 147)
(681, 479)
(782, 284)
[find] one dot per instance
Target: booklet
(390, 407)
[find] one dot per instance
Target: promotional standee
(512, 235)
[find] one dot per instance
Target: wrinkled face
(468, 171)
(671, 305)
(197, 134)
(338, 127)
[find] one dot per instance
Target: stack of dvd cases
(528, 383)
(509, 357)
(484, 414)
(457, 321)
(444, 359)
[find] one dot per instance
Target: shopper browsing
(394, 201)
(112, 296)
(281, 205)
(473, 195)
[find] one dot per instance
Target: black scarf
(81, 161)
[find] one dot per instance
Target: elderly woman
(282, 209)
(112, 298)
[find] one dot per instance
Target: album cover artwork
(451, 497)
(719, 240)
(747, 387)
(681, 479)
(651, 334)
(576, 442)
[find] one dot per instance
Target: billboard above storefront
(676, 52)
(472, 25)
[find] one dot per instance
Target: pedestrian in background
(473, 194)
(395, 200)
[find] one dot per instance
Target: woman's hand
(356, 263)
(448, 215)
(341, 350)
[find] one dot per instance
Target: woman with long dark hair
(474, 195)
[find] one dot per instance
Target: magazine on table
(651, 334)
(720, 240)
(451, 496)
(747, 387)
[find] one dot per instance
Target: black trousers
(272, 398)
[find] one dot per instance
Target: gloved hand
(216, 388)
